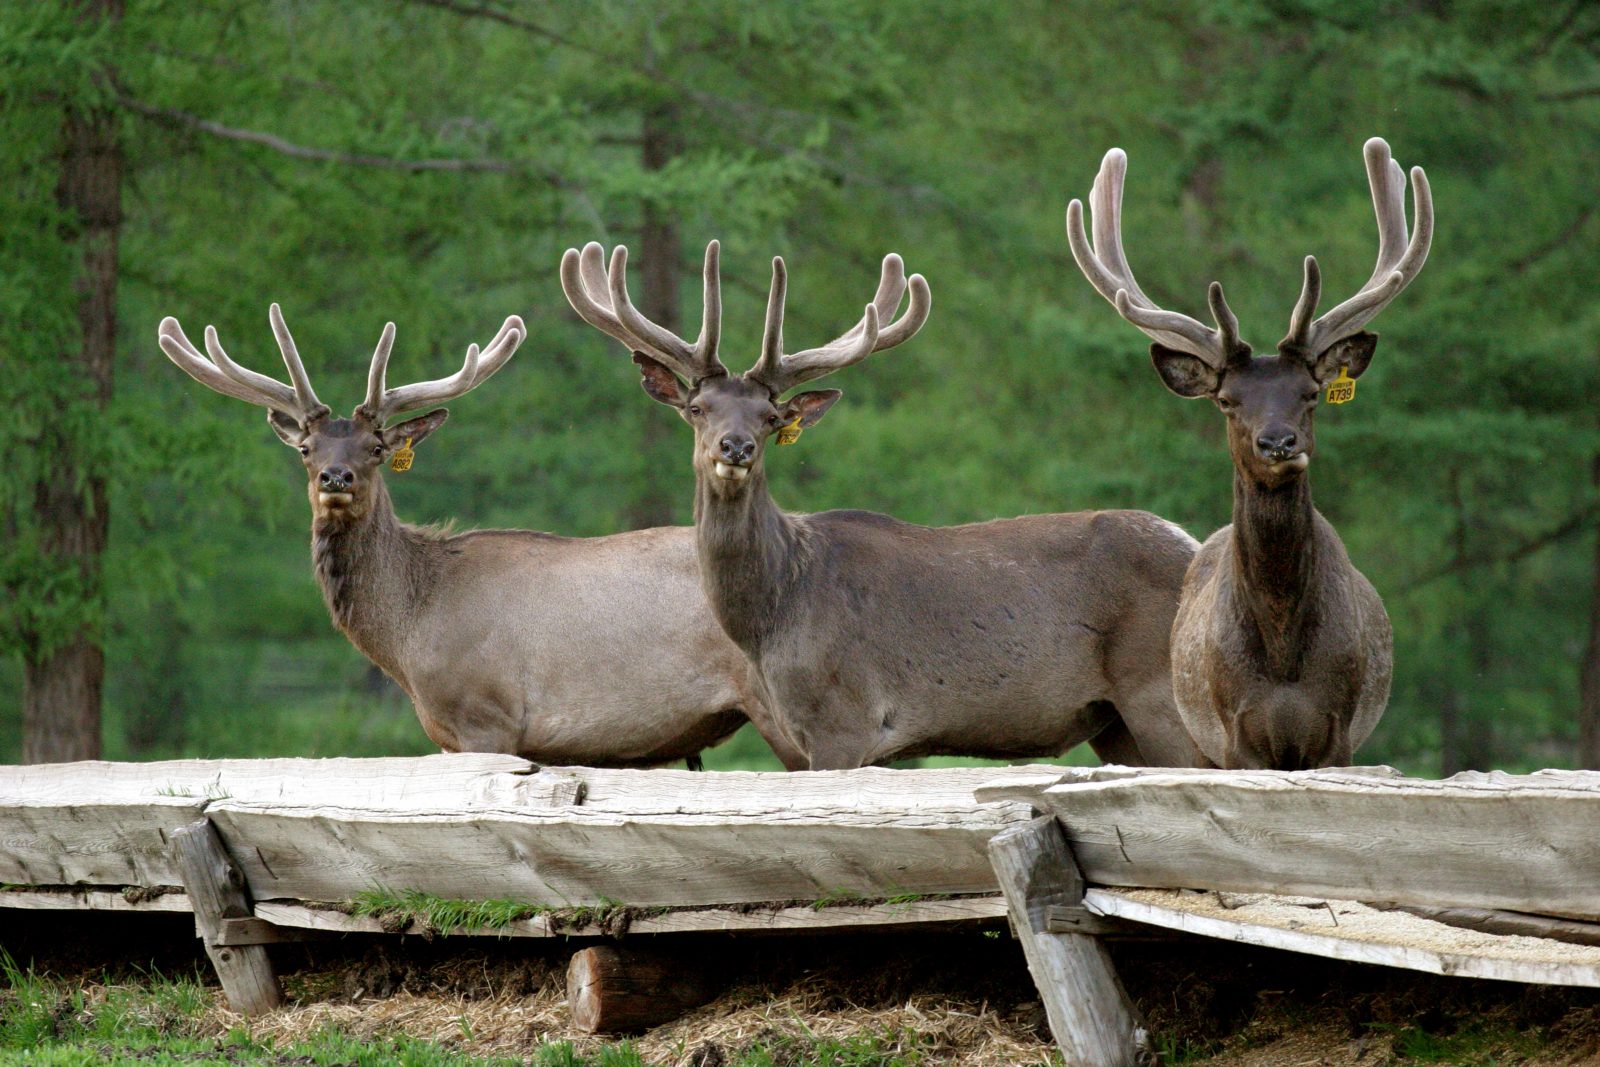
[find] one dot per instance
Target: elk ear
(1188, 376)
(415, 430)
(287, 427)
(1354, 352)
(660, 382)
(809, 407)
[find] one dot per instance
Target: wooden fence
(268, 850)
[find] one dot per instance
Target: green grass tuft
(441, 915)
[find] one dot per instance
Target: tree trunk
(1589, 678)
(661, 257)
(62, 680)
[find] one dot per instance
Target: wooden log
(611, 990)
(1346, 930)
(669, 838)
(76, 899)
(217, 892)
(1520, 843)
(1094, 1022)
(919, 914)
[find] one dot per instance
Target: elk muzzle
(734, 453)
(1280, 445)
(335, 486)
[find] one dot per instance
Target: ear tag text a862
(790, 433)
(1342, 389)
(402, 458)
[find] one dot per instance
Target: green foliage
(953, 132)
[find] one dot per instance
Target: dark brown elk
(874, 639)
(594, 651)
(1281, 649)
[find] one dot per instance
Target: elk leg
(1115, 744)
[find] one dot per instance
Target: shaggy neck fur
(1274, 558)
(373, 570)
(750, 555)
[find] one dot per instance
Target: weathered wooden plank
(1347, 930)
(1511, 842)
(445, 779)
(97, 843)
(92, 900)
(1094, 1022)
(915, 913)
(216, 889)
(647, 838)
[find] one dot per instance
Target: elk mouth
(731, 472)
(1289, 464)
(335, 501)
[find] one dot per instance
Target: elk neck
(750, 554)
(1274, 560)
(374, 570)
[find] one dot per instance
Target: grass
(160, 1021)
(1473, 1045)
(412, 909)
(399, 911)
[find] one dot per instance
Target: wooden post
(217, 892)
(1094, 1022)
(617, 991)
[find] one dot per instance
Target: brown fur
(877, 640)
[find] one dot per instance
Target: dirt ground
(958, 998)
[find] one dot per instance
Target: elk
(1281, 649)
(874, 639)
(593, 651)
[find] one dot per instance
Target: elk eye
(694, 409)
(1224, 403)
(377, 450)
(305, 450)
(1311, 396)
(773, 420)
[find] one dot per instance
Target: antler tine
(772, 334)
(475, 369)
(291, 360)
(779, 372)
(182, 352)
(499, 353)
(377, 374)
(695, 362)
(583, 279)
(1395, 268)
(1305, 307)
(1105, 264)
(273, 393)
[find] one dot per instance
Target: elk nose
(1277, 444)
(336, 479)
(736, 448)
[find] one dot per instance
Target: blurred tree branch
(174, 117)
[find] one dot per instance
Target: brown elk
(875, 639)
(1281, 649)
(564, 650)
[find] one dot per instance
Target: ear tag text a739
(790, 433)
(402, 457)
(1342, 389)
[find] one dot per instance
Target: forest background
(429, 160)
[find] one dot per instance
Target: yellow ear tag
(403, 457)
(1342, 389)
(788, 435)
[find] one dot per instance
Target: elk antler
(383, 403)
(876, 331)
(229, 378)
(1106, 267)
(600, 297)
(1399, 260)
